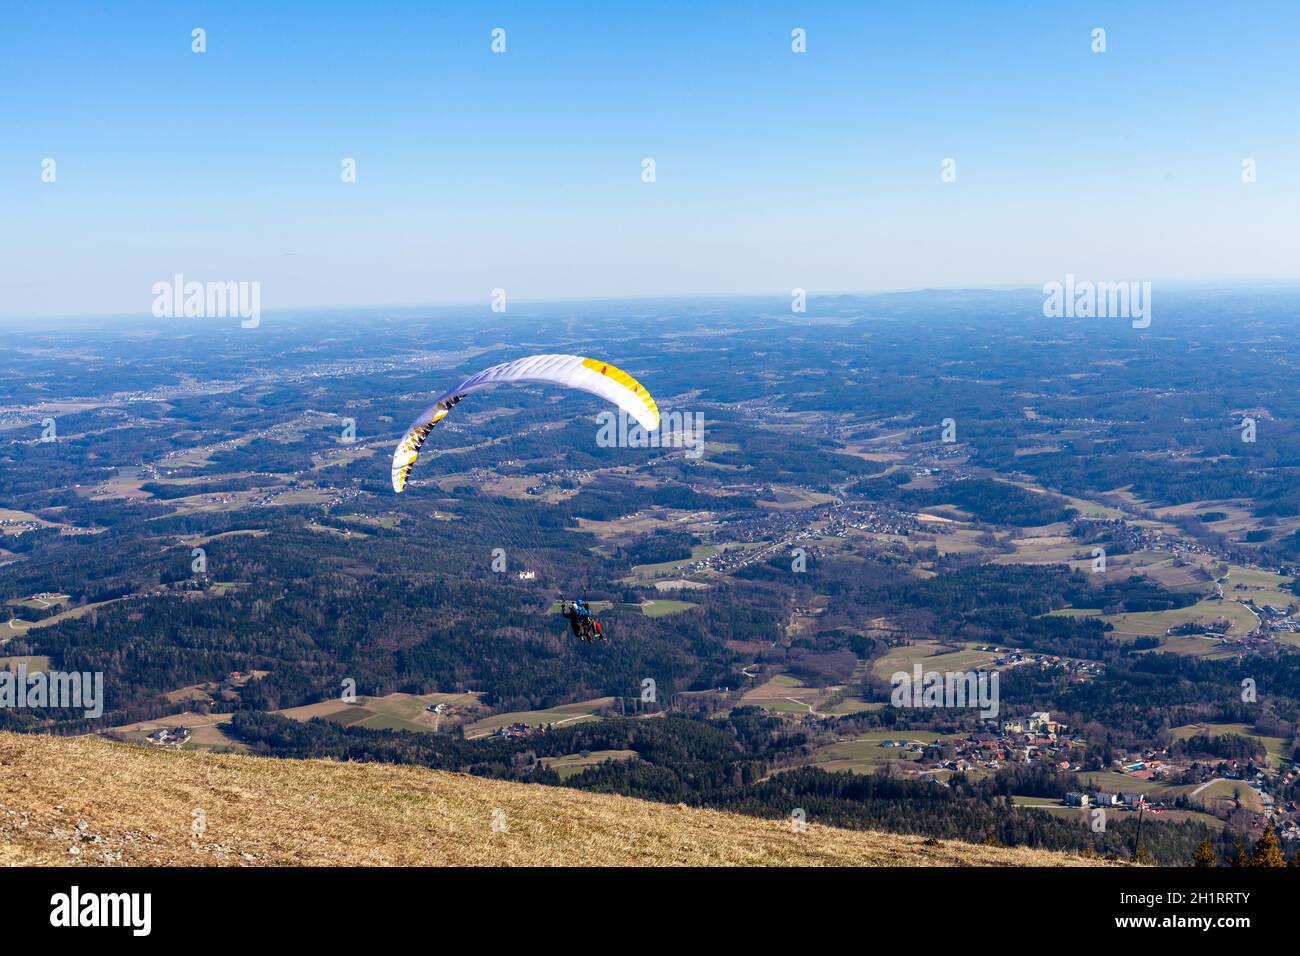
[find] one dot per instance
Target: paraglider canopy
(571, 371)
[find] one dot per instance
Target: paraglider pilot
(581, 621)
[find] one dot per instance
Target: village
(1039, 739)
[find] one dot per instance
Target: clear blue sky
(522, 170)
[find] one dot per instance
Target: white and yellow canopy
(572, 371)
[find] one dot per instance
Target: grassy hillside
(87, 801)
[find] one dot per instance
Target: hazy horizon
(778, 297)
(523, 170)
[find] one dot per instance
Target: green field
(661, 608)
(1075, 612)
(855, 705)
(396, 711)
(1156, 623)
(596, 607)
(18, 626)
(793, 498)
(38, 605)
(863, 753)
(1277, 747)
(783, 693)
(411, 712)
(932, 656)
(788, 695)
(373, 521)
(326, 529)
(1109, 782)
(658, 607)
(564, 714)
(668, 568)
(1262, 587)
(32, 663)
(1042, 803)
(1223, 790)
(572, 764)
(643, 573)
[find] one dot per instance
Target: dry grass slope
(86, 801)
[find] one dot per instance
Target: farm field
(570, 765)
(864, 753)
(931, 655)
(563, 714)
(33, 663)
(783, 693)
(1209, 794)
(39, 604)
(1075, 612)
(395, 711)
(1278, 754)
(1059, 808)
(1262, 587)
(788, 498)
(1221, 794)
(1192, 646)
(1157, 623)
(340, 532)
(1231, 518)
(955, 539)
(1178, 573)
(1045, 550)
(668, 568)
(388, 522)
(665, 585)
(657, 607)
(633, 526)
(651, 573)
(199, 540)
(1110, 782)
(206, 732)
(21, 627)
(9, 514)
(1044, 803)
(662, 608)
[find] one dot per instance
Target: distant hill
(90, 802)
